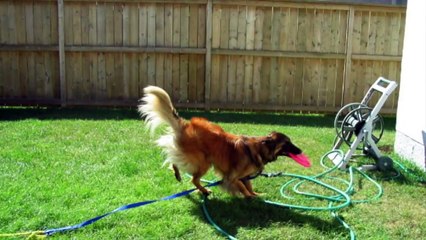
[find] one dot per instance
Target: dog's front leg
(247, 192)
(249, 187)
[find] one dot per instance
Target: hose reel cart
(361, 127)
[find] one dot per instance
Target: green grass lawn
(59, 167)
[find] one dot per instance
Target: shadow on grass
(406, 176)
(45, 113)
(253, 214)
(403, 172)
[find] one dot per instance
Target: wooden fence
(208, 54)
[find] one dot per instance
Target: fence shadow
(87, 113)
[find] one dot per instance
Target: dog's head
(278, 144)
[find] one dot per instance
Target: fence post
(208, 54)
(61, 40)
(347, 81)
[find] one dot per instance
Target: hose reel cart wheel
(384, 163)
(350, 120)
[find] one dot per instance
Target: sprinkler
(359, 126)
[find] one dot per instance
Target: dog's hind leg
(177, 173)
(197, 183)
(196, 177)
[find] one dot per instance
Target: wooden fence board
(317, 40)
(159, 24)
(267, 29)
(168, 73)
(293, 29)
(302, 30)
(151, 32)
(233, 28)
(342, 31)
(85, 76)
(215, 79)
(4, 18)
(93, 75)
(392, 48)
(224, 28)
(84, 18)
(193, 26)
(109, 76)
(143, 72)
(159, 70)
(19, 20)
(168, 25)
(258, 33)
(248, 81)
(200, 83)
(310, 82)
(223, 76)
(216, 15)
(365, 19)
(4, 76)
(380, 37)
(250, 30)
(239, 85)
(151, 69)
(117, 80)
(92, 24)
(101, 86)
(29, 28)
(242, 27)
(231, 85)
(109, 24)
(126, 25)
(24, 77)
(175, 78)
(401, 33)
(298, 82)
(192, 78)
(76, 24)
(183, 77)
(274, 86)
(184, 26)
(143, 26)
(100, 24)
(201, 35)
(309, 30)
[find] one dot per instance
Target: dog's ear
(269, 142)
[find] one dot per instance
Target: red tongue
(302, 159)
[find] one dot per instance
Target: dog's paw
(254, 195)
(259, 194)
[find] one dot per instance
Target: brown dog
(196, 145)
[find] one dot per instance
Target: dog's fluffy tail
(157, 108)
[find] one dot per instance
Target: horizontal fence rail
(208, 54)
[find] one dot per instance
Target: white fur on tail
(157, 108)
